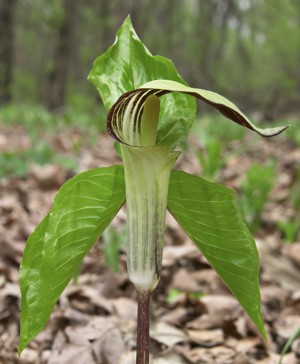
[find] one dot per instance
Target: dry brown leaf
(216, 355)
(29, 356)
(47, 176)
(273, 300)
(273, 358)
(209, 281)
(246, 346)
(296, 347)
(279, 268)
(92, 296)
(219, 310)
(128, 358)
(166, 334)
(170, 357)
(101, 336)
(183, 281)
(286, 325)
(176, 316)
(172, 254)
(293, 253)
(207, 338)
(125, 308)
(72, 354)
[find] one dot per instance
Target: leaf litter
(194, 318)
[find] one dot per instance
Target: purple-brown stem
(142, 341)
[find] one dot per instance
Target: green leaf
(125, 120)
(288, 344)
(82, 209)
(126, 66)
(224, 106)
(209, 214)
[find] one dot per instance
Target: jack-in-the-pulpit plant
(150, 112)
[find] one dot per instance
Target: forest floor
(194, 318)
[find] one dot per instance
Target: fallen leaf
(166, 334)
(207, 338)
(125, 308)
(47, 176)
(293, 252)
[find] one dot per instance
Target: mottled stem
(142, 354)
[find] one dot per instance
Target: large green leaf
(223, 105)
(209, 214)
(125, 119)
(82, 209)
(126, 66)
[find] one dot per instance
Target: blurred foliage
(216, 127)
(291, 228)
(214, 134)
(255, 187)
(174, 294)
(295, 192)
(288, 344)
(113, 242)
(248, 50)
(81, 113)
(37, 121)
(293, 132)
(16, 163)
(211, 159)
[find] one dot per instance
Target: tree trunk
(58, 77)
(7, 9)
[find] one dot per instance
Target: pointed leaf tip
(223, 105)
(82, 209)
(126, 66)
(209, 214)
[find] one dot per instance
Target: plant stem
(142, 350)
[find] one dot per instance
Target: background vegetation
(248, 50)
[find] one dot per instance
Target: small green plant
(294, 133)
(288, 344)
(212, 126)
(214, 136)
(255, 189)
(175, 293)
(113, 242)
(290, 230)
(33, 118)
(80, 113)
(172, 295)
(291, 227)
(295, 192)
(12, 163)
(211, 159)
(16, 163)
(150, 111)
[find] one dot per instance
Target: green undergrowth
(256, 186)
(292, 134)
(113, 242)
(214, 135)
(174, 293)
(213, 127)
(291, 228)
(38, 123)
(35, 117)
(17, 163)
